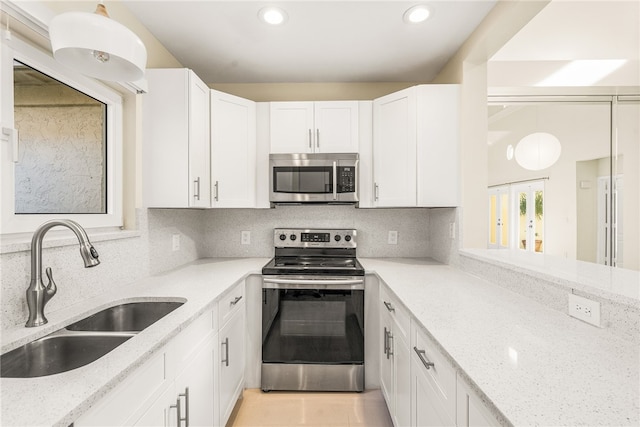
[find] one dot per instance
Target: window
(61, 148)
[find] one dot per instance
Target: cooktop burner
(314, 252)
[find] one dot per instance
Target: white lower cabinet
(146, 396)
(433, 383)
(471, 412)
(231, 349)
(395, 374)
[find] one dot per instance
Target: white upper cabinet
(394, 149)
(314, 127)
(233, 151)
(415, 147)
(176, 158)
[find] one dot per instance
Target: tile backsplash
(211, 233)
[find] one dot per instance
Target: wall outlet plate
(393, 238)
(245, 238)
(175, 242)
(584, 309)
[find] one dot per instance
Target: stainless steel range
(313, 312)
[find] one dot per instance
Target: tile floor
(288, 409)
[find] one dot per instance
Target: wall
(469, 68)
(223, 228)
(122, 261)
(260, 92)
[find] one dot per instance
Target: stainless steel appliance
(313, 178)
(313, 312)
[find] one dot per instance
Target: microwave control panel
(346, 179)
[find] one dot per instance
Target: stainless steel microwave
(330, 178)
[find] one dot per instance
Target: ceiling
(322, 41)
(566, 31)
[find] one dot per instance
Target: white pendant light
(97, 46)
(538, 151)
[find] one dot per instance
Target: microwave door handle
(335, 181)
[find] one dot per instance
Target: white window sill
(21, 242)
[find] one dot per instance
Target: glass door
(499, 218)
(530, 213)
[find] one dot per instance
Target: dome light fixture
(97, 46)
(416, 14)
(272, 15)
(538, 151)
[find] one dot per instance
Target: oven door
(313, 333)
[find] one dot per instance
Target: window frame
(17, 49)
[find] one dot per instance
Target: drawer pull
(389, 306)
(422, 356)
(236, 300)
(225, 360)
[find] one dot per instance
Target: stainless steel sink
(130, 317)
(84, 341)
(57, 353)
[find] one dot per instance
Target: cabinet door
(195, 384)
(470, 411)
(336, 127)
(199, 163)
(291, 127)
(162, 413)
(175, 149)
(394, 149)
(233, 151)
(386, 361)
(231, 361)
(402, 381)
(426, 410)
(437, 148)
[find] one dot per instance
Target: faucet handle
(51, 288)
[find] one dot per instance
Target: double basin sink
(83, 341)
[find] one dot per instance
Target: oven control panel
(304, 237)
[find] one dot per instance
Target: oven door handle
(335, 181)
(312, 284)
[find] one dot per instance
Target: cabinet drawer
(230, 302)
(125, 402)
(441, 374)
(399, 314)
(188, 341)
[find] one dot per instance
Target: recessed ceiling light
(272, 15)
(416, 14)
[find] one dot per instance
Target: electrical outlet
(245, 238)
(584, 309)
(175, 242)
(393, 238)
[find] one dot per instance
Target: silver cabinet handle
(389, 306)
(186, 407)
(310, 142)
(178, 413)
(216, 187)
(390, 345)
(422, 356)
(335, 180)
(225, 343)
(317, 138)
(375, 191)
(385, 341)
(236, 300)
(196, 191)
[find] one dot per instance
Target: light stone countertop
(536, 366)
(58, 400)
